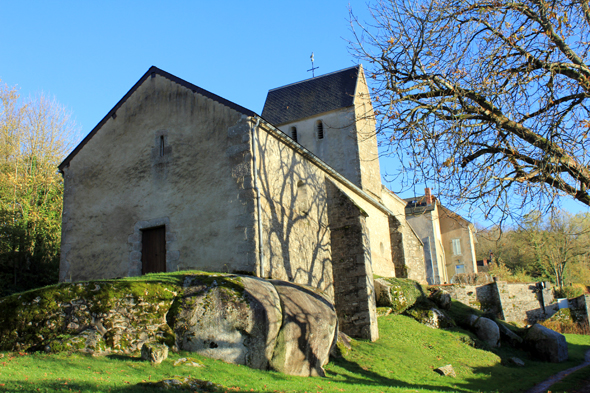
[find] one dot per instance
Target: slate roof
(150, 73)
(311, 97)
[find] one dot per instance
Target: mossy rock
(384, 311)
(426, 312)
(183, 384)
(39, 318)
(399, 294)
(88, 341)
(165, 335)
(343, 346)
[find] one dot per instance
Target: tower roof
(311, 96)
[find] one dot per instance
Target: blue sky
(89, 54)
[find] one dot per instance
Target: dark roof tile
(311, 97)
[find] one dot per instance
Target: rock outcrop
(93, 317)
(441, 298)
(486, 330)
(546, 344)
(431, 317)
(154, 352)
(509, 337)
(399, 294)
(307, 332)
(239, 319)
(232, 318)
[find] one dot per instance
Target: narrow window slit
(320, 129)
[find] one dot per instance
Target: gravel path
(544, 386)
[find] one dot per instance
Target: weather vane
(312, 67)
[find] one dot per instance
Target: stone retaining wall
(512, 302)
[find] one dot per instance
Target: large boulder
(508, 336)
(546, 344)
(441, 298)
(399, 294)
(486, 330)
(308, 331)
(93, 317)
(229, 317)
(431, 317)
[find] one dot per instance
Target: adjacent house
(449, 239)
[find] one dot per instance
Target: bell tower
(332, 116)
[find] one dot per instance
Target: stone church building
(175, 177)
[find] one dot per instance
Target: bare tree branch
(483, 100)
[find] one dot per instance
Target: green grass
(401, 361)
(580, 378)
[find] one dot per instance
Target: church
(175, 177)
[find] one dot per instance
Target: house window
(456, 246)
(459, 269)
(294, 133)
(319, 129)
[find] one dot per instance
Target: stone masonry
(351, 262)
(512, 302)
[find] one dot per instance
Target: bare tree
(486, 101)
(556, 241)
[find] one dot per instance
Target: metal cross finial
(312, 67)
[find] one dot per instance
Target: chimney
(428, 196)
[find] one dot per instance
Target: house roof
(311, 97)
(152, 72)
(417, 205)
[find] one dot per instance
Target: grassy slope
(401, 361)
(579, 379)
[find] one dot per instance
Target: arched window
(294, 133)
(302, 202)
(319, 129)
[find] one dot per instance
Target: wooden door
(153, 250)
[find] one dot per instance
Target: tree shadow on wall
(296, 237)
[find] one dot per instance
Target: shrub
(569, 292)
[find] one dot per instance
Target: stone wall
(414, 256)
(424, 221)
(407, 251)
(580, 307)
(512, 302)
(525, 303)
(295, 226)
(481, 297)
(351, 261)
(168, 156)
(366, 137)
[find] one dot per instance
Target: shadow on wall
(296, 237)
